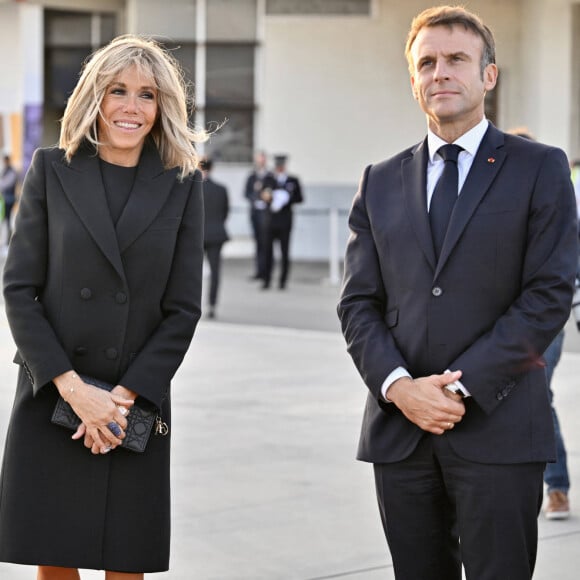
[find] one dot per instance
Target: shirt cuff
(395, 375)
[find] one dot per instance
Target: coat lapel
(152, 187)
(488, 161)
(414, 173)
(83, 186)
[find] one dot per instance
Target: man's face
(447, 80)
(260, 160)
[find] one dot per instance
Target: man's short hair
(452, 16)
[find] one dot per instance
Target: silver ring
(122, 410)
(107, 449)
(114, 428)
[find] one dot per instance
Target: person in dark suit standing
(459, 271)
(281, 192)
(258, 210)
(103, 278)
(216, 208)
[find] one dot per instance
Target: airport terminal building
(324, 81)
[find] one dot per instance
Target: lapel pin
(491, 160)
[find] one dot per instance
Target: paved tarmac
(267, 408)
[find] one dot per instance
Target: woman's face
(128, 113)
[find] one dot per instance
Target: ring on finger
(123, 410)
(114, 428)
(450, 425)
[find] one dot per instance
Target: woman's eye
(148, 95)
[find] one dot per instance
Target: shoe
(558, 507)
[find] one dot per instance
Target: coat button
(499, 396)
(111, 353)
(86, 293)
(121, 298)
(436, 291)
(81, 350)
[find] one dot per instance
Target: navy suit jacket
(500, 292)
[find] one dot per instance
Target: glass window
(234, 140)
(67, 28)
(185, 55)
(231, 21)
(230, 75)
(107, 28)
(70, 37)
(326, 7)
(62, 69)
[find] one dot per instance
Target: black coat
(119, 303)
(216, 208)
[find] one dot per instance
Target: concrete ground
(267, 408)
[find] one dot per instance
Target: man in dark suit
(458, 274)
(281, 192)
(258, 210)
(216, 209)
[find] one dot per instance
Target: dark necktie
(444, 196)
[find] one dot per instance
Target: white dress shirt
(470, 142)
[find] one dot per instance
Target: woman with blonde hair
(102, 284)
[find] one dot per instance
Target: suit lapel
(83, 186)
(150, 192)
(486, 165)
(414, 173)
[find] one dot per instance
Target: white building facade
(324, 81)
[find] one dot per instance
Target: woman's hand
(102, 413)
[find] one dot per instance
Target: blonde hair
(172, 133)
(450, 16)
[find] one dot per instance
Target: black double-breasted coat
(117, 302)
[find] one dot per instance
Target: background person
(103, 277)
(556, 475)
(258, 210)
(461, 258)
(216, 208)
(281, 191)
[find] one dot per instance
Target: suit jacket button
(436, 291)
(499, 396)
(81, 350)
(86, 293)
(121, 298)
(111, 353)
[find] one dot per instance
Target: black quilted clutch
(140, 420)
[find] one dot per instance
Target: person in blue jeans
(556, 474)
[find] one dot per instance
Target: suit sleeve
(516, 342)
(39, 348)
(157, 362)
(362, 300)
